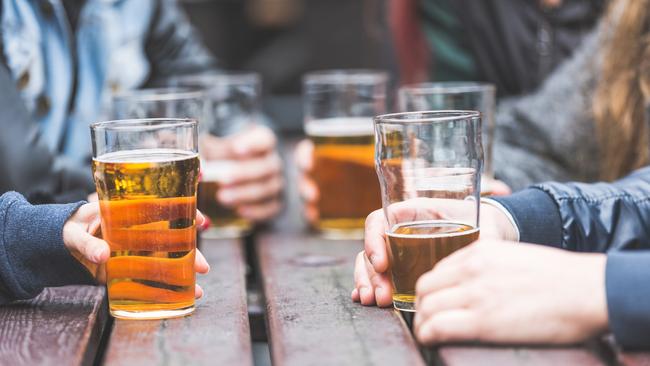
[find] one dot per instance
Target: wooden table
(287, 287)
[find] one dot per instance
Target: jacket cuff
(628, 296)
(35, 250)
(536, 215)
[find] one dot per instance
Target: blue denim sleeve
(32, 253)
(628, 297)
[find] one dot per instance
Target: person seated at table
(61, 60)
(496, 290)
(526, 151)
(512, 44)
(53, 245)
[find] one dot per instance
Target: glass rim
(451, 87)
(160, 94)
(226, 77)
(143, 124)
(422, 117)
(345, 76)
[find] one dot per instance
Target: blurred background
(283, 39)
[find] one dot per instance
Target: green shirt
(452, 58)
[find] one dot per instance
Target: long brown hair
(623, 90)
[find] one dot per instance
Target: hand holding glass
(424, 160)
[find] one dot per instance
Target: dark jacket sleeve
(628, 297)
(585, 217)
(27, 164)
(32, 253)
(612, 218)
(173, 46)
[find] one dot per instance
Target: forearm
(32, 252)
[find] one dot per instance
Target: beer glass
(429, 166)
(456, 96)
(233, 103)
(146, 174)
(339, 106)
(159, 103)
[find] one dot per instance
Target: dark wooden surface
(216, 334)
(62, 326)
(512, 356)
(307, 283)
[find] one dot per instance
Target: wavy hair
(623, 91)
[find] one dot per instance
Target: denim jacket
(608, 218)
(65, 77)
(62, 80)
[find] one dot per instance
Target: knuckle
(473, 265)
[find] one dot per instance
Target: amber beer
(344, 173)
(225, 222)
(148, 208)
(415, 247)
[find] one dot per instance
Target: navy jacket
(32, 253)
(609, 218)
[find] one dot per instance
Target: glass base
(152, 314)
(341, 234)
(404, 303)
(341, 228)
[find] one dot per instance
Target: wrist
(591, 268)
(494, 215)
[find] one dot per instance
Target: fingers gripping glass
(429, 166)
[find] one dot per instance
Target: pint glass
(429, 166)
(339, 107)
(456, 96)
(232, 104)
(146, 174)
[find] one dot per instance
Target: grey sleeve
(27, 165)
(549, 135)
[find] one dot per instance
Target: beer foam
(340, 126)
(146, 156)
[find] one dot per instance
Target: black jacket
(609, 218)
(516, 44)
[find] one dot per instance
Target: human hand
(93, 253)
(494, 187)
(254, 186)
(371, 273)
(503, 292)
(307, 188)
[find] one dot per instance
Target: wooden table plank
(216, 334)
(62, 326)
(507, 356)
(307, 283)
(622, 357)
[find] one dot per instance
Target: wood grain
(216, 334)
(312, 320)
(62, 326)
(511, 356)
